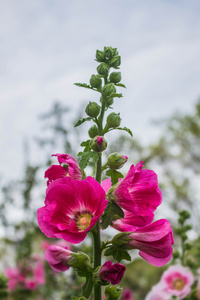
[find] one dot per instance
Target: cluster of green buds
(105, 83)
(181, 231)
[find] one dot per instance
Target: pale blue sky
(46, 46)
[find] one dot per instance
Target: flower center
(178, 284)
(83, 221)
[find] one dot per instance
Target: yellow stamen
(83, 221)
(178, 284)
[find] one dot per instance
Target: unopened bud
(176, 254)
(108, 52)
(109, 89)
(113, 292)
(92, 109)
(188, 246)
(100, 56)
(116, 161)
(103, 69)
(187, 227)
(95, 81)
(115, 77)
(115, 62)
(113, 120)
(93, 131)
(98, 144)
(80, 261)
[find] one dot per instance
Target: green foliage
(88, 285)
(79, 122)
(117, 253)
(115, 175)
(85, 158)
(112, 213)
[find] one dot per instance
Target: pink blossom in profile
(13, 278)
(127, 294)
(158, 293)
(72, 208)
(68, 167)
(58, 258)
(112, 273)
(138, 195)
(177, 281)
(138, 191)
(154, 242)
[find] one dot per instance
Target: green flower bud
(108, 52)
(184, 236)
(188, 246)
(115, 62)
(95, 81)
(100, 56)
(185, 214)
(103, 69)
(109, 89)
(116, 161)
(115, 77)
(113, 120)
(93, 131)
(176, 254)
(92, 109)
(187, 227)
(109, 102)
(98, 144)
(113, 292)
(80, 261)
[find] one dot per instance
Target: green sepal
(116, 95)
(121, 85)
(125, 129)
(79, 122)
(113, 292)
(85, 158)
(117, 253)
(115, 175)
(112, 213)
(88, 286)
(79, 298)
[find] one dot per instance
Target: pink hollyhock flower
(72, 208)
(112, 273)
(38, 273)
(127, 294)
(30, 284)
(58, 258)
(157, 293)
(68, 167)
(138, 191)
(177, 281)
(154, 242)
(13, 278)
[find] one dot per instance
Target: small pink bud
(112, 273)
(99, 140)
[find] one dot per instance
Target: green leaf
(115, 175)
(117, 253)
(85, 85)
(112, 213)
(88, 286)
(79, 122)
(121, 85)
(85, 158)
(125, 129)
(86, 144)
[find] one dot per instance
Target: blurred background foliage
(175, 157)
